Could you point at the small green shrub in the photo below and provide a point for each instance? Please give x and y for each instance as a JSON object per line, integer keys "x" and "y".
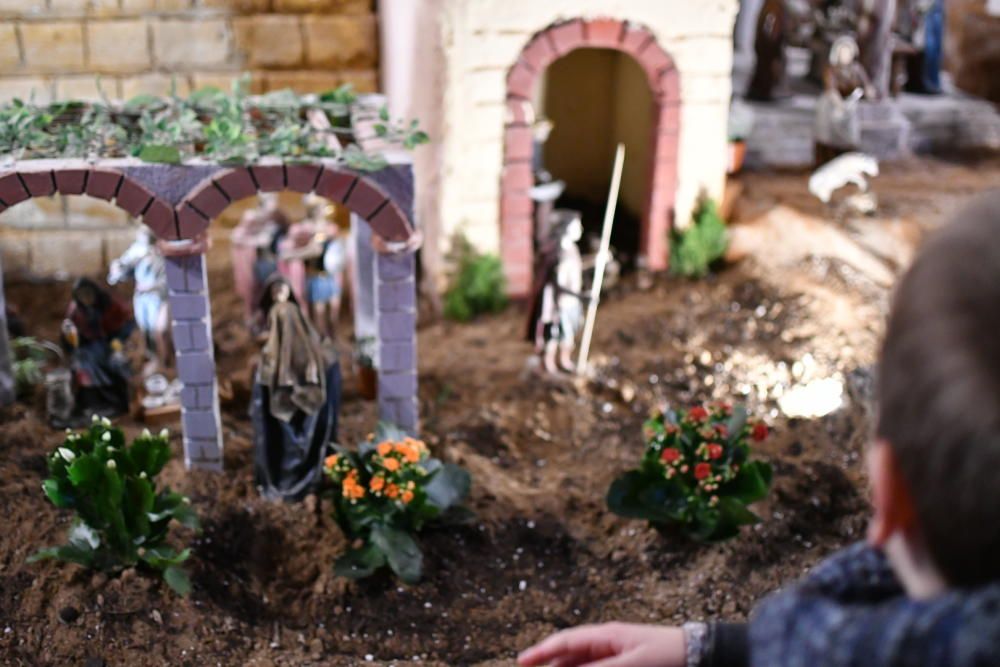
{"x": 29, "y": 356}
{"x": 384, "y": 493}
{"x": 121, "y": 519}
{"x": 695, "y": 475}
{"x": 694, "y": 249}
{"x": 477, "y": 285}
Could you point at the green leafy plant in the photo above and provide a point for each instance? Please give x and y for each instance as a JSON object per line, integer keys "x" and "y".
{"x": 384, "y": 493}
{"x": 122, "y": 520}
{"x": 696, "y": 476}
{"x": 694, "y": 249}
{"x": 227, "y": 127}
{"x": 29, "y": 358}
{"x": 477, "y": 284}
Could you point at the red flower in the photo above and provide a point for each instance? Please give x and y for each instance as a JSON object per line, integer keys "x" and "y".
{"x": 702, "y": 470}
{"x": 670, "y": 455}
{"x": 714, "y": 451}
{"x": 697, "y": 414}
{"x": 721, "y": 430}
{"x": 759, "y": 431}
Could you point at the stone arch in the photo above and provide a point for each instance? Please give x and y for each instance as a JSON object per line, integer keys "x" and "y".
{"x": 44, "y": 178}
{"x": 516, "y": 223}
{"x": 360, "y": 194}
{"x": 377, "y": 200}
{"x": 178, "y": 202}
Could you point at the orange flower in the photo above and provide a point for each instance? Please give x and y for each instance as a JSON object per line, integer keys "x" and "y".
{"x": 408, "y": 497}
{"x": 384, "y": 448}
{"x": 331, "y": 461}
{"x": 377, "y": 483}
{"x": 391, "y": 491}
{"x": 392, "y": 465}
{"x": 408, "y": 452}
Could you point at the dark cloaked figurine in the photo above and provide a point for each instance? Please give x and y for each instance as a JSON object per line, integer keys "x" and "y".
{"x": 296, "y": 398}
{"x": 768, "y": 80}
{"x": 94, "y": 331}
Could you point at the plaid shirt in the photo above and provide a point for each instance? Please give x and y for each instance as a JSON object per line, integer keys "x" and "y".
{"x": 852, "y": 612}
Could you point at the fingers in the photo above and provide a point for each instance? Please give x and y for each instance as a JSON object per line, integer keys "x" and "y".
{"x": 571, "y": 647}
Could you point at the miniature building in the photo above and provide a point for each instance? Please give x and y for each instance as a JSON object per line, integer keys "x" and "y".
{"x": 652, "y": 73}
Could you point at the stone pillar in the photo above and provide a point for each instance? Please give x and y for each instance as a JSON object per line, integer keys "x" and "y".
{"x": 6, "y": 368}
{"x": 363, "y": 279}
{"x": 396, "y": 303}
{"x": 191, "y": 318}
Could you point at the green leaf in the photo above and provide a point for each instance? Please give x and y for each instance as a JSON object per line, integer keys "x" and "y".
{"x": 383, "y": 113}
{"x": 636, "y": 495}
{"x": 160, "y": 154}
{"x": 449, "y": 485}
{"x": 163, "y": 556}
{"x": 86, "y": 472}
{"x": 56, "y": 493}
{"x": 138, "y": 504}
{"x": 149, "y": 454}
{"x": 177, "y": 578}
{"x": 401, "y": 552}
{"x": 359, "y": 563}
{"x": 750, "y": 484}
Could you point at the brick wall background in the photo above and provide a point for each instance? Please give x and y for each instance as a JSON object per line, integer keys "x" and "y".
{"x": 56, "y": 49}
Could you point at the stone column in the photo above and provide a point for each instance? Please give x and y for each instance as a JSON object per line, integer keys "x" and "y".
{"x": 6, "y": 368}
{"x": 191, "y": 318}
{"x": 396, "y": 303}
{"x": 363, "y": 279}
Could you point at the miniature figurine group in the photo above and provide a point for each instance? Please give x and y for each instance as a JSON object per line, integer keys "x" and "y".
{"x": 311, "y": 254}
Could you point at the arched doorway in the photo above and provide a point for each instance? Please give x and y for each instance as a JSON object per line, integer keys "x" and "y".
{"x": 516, "y": 207}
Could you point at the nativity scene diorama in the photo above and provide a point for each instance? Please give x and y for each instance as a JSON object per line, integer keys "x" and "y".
{"x": 646, "y": 247}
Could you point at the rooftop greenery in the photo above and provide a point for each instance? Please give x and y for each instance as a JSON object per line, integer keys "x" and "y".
{"x": 228, "y": 128}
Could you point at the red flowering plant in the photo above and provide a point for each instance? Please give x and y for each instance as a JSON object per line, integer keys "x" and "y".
{"x": 696, "y": 475}
{"x": 383, "y": 494}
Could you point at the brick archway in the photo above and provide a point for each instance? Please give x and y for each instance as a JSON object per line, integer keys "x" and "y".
{"x": 178, "y": 202}
{"x": 516, "y": 208}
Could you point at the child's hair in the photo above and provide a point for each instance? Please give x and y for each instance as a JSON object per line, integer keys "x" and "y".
{"x": 939, "y": 393}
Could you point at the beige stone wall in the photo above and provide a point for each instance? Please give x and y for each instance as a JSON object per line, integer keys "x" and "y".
{"x": 469, "y": 46}
{"x": 57, "y": 49}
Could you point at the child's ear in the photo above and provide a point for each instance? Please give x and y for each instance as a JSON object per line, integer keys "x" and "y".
{"x": 892, "y": 503}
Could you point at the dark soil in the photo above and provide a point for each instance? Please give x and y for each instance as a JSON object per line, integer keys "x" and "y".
{"x": 542, "y": 553}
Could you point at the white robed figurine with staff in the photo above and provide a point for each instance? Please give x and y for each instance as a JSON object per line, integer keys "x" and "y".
{"x": 557, "y": 312}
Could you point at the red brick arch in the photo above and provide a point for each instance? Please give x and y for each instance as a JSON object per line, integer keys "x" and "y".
{"x": 361, "y": 195}
{"x": 39, "y": 179}
{"x": 192, "y": 215}
{"x": 516, "y": 224}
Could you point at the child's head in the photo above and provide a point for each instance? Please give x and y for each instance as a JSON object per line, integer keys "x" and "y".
{"x": 936, "y": 462}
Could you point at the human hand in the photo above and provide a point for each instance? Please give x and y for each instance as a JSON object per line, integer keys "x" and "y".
{"x": 610, "y": 645}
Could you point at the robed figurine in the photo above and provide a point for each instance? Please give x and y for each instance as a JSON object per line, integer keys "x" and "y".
{"x": 94, "y": 332}
{"x": 296, "y": 398}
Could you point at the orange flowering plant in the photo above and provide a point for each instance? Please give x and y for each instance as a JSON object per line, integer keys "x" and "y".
{"x": 383, "y": 495}
{"x": 696, "y": 475}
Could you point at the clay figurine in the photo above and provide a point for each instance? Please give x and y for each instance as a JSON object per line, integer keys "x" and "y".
{"x": 321, "y": 251}
{"x": 94, "y": 332}
{"x": 768, "y": 82}
{"x": 838, "y": 126}
{"x": 295, "y": 401}
{"x": 143, "y": 263}
{"x": 922, "y": 23}
{"x": 254, "y": 250}
{"x": 557, "y": 312}
{"x": 875, "y": 20}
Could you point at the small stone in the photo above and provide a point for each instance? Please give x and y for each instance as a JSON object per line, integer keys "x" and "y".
{"x": 156, "y": 616}
{"x": 69, "y": 614}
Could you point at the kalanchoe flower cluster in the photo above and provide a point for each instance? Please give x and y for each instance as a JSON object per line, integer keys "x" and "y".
{"x": 383, "y": 494}
{"x": 696, "y": 474}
